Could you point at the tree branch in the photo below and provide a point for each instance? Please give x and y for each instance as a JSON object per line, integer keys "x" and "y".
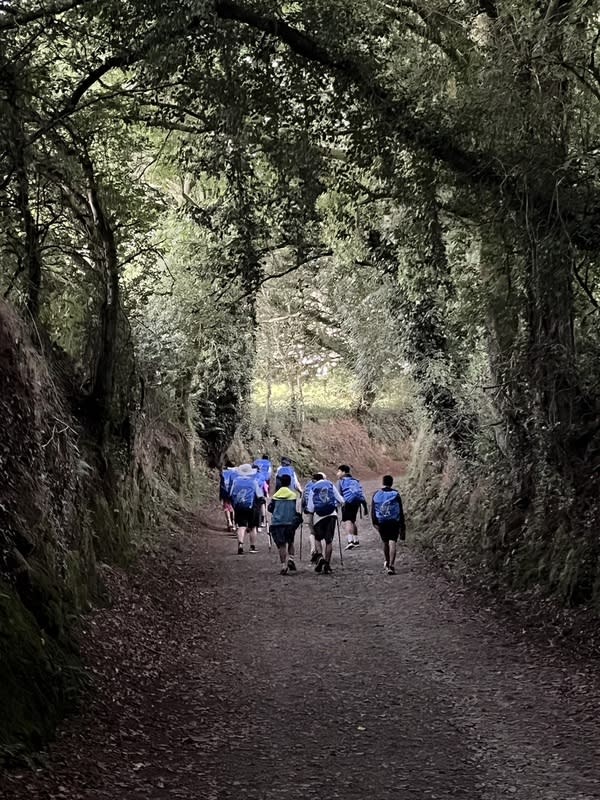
{"x": 586, "y": 289}
{"x": 16, "y": 18}
{"x": 400, "y": 112}
{"x": 426, "y": 31}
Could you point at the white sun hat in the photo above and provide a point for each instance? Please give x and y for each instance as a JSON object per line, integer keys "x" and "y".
{"x": 246, "y": 469}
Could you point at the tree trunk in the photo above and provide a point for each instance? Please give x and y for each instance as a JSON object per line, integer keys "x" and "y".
{"x": 105, "y": 251}
{"x": 368, "y": 395}
{"x": 426, "y": 276}
{"x": 18, "y": 154}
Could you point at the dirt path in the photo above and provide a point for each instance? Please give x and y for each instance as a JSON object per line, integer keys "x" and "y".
{"x": 216, "y": 678}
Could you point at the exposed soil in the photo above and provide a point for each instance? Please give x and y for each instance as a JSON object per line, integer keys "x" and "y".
{"x": 216, "y": 678}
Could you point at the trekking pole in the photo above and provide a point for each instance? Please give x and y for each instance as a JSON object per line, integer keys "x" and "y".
{"x": 337, "y": 519}
{"x": 301, "y": 532}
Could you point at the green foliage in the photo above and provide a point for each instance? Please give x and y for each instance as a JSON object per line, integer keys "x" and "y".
{"x": 195, "y": 197}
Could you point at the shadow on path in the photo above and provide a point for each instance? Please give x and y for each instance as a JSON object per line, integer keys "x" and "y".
{"x": 217, "y": 678}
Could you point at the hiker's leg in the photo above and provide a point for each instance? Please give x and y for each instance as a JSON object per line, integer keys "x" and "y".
{"x": 349, "y": 513}
{"x": 331, "y": 524}
{"x": 348, "y": 530}
{"x": 392, "y": 553}
{"x": 253, "y": 536}
{"x": 228, "y": 510}
{"x": 241, "y": 533}
{"x": 291, "y": 549}
{"x": 282, "y": 553}
{"x": 386, "y": 551}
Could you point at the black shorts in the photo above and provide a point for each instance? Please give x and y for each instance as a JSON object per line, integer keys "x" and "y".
{"x": 350, "y": 511}
{"x": 390, "y": 530}
{"x": 282, "y": 534}
{"x": 246, "y": 517}
{"x": 325, "y": 529}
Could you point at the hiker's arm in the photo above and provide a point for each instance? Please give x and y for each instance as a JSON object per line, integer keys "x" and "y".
{"x": 258, "y": 491}
{"x": 338, "y": 496}
{"x": 373, "y": 517}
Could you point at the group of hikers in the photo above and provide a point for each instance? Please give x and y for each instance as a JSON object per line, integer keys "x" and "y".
{"x": 245, "y": 492}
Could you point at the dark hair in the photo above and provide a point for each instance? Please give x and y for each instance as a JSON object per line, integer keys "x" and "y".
{"x": 286, "y": 461}
{"x": 345, "y": 468}
{"x": 228, "y": 463}
{"x": 318, "y": 476}
{"x": 388, "y": 480}
{"x": 266, "y": 455}
{"x": 285, "y": 480}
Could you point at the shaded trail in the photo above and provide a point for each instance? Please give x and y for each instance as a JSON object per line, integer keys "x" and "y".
{"x": 217, "y": 678}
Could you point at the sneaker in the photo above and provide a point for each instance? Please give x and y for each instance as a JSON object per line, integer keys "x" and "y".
{"x": 240, "y": 549}
{"x": 356, "y": 543}
{"x": 292, "y": 565}
{"x": 349, "y": 546}
{"x": 283, "y": 570}
{"x": 314, "y": 557}
{"x": 391, "y": 571}
{"x": 320, "y": 564}
{"x": 327, "y": 568}
{"x": 385, "y": 566}
{"x": 253, "y": 548}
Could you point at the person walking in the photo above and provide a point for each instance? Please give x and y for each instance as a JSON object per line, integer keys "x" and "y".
{"x": 228, "y": 473}
{"x": 387, "y": 516}
{"x": 286, "y": 469}
{"x": 285, "y": 519}
{"x": 247, "y": 497}
{"x": 265, "y": 471}
{"x": 354, "y": 497}
{"x": 323, "y": 503}
{"x": 309, "y": 516}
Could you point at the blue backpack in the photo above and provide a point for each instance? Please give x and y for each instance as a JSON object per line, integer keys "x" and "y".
{"x": 243, "y": 492}
{"x": 352, "y": 490}
{"x": 227, "y": 477}
{"x": 306, "y": 494}
{"x": 323, "y": 496}
{"x": 386, "y": 505}
{"x": 263, "y": 465}
{"x": 283, "y": 471}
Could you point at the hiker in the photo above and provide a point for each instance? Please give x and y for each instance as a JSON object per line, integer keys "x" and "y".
{"x": 247, "y": 497}
{"x": 354, "y": 497}
{"x": 228, "y": 473}
{"x": 387, "y": 516}
{"x": 265, "y": 471}
{"x": 284, "y": 521}
{"x": 287, "y": 469}
{"x": 309, "y": 515}
{"x": 323, "y": 503}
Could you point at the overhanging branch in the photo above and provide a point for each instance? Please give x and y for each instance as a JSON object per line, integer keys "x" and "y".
{"x": 14, "y": 18}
